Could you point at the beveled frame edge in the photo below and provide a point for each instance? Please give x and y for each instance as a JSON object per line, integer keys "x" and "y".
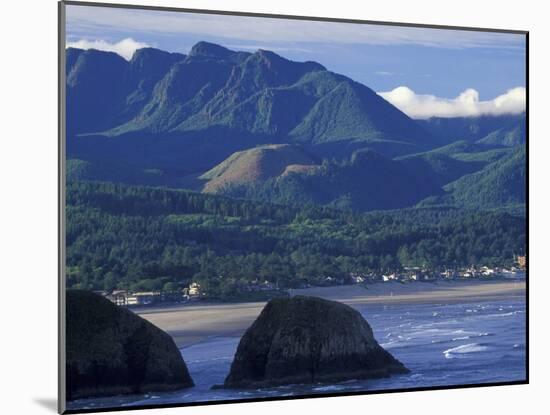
{"x": 62, "y": 198}
{"x": 61, "y": 193}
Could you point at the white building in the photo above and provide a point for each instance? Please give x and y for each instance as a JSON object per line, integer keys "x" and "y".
{"x": 390, "y": 277}
{"x": 194, "y": 289}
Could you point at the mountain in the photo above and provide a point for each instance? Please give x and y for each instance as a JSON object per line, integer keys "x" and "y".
{"x": 260, "y": 126}
{"x": 507, "y": 130}
{"x": 166, "y": 103}
{"x": 82, "y": 170}
{"x": 103, "y": 89}
{"x": 500, "y": 183}
{"x": 440, "y": 167}
{"x": 256, "y": 165}
{"x": 448, "y": 163}
{"x": 369, "y": 181}
{"x": 457, "y": 147}
{"x": 510, "y": 135}
{"x": 94, "y": 79}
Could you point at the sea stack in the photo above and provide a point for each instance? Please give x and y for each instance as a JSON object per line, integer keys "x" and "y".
{"x": 308, "y": 340}
{"x": 111, "y": 351}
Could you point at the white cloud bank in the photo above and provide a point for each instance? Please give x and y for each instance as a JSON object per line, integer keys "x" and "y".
{"x": 467, "y": 104}
{"x": 125, "y": 48}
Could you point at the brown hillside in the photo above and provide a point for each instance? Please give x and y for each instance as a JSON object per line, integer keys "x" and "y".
{"x": 256, "y": 165}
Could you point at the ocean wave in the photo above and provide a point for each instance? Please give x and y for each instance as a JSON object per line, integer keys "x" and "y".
{"x": 436, "y": 323}
{"x": 464, "y": 349}
{"x": 466, "y": 336}
{"x": 519, "y": 346}
{"x": 511, "y": 313}
{"x": 497, "y": 315}
{"x": 470, "y": 336}
{"x": 437, "y": 333}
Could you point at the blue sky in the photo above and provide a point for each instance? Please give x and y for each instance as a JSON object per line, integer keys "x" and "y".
{"x": 435, "y": 65}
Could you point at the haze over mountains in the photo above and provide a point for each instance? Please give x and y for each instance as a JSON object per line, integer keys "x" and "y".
{"x": 259, "y": 126}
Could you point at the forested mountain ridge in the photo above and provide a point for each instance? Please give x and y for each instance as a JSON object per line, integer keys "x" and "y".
{"x": 103, "y": 89}
{"x": 500, "y": 183}
{"x": 232, "y": 100}
{"x": 262, "y": 127}
{"x": 214, "y": 86}
{"x": 369, "y": 181}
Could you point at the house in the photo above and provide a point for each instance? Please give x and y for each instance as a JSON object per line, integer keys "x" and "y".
{"x": 522, "y": 261}
{"x": 488, "y": 272}
{"x": 356, "y": 278}
{"x": 143, "y": 298}
{"x": 194, "y": 290}
{"x": 449, "y": 274}
{"x": 389, "y": 277}
{"x": 119, "y": 297}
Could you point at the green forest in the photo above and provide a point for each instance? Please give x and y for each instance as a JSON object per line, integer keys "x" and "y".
{"x": 146, "y": 238}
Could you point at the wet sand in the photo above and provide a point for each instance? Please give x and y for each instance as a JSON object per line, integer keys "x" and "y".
{"x": 192, "y": 323}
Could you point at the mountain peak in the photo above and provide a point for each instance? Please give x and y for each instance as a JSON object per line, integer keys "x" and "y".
{"x": 268, "y": 54}
{"x": 271, "y": 58}
{"x": 255, "y": 165}
{"x": 146, "y": 54}
{"x": 72, "y": 55}
{"x": 211, "y": 50}
{"x": 72, "y": 49}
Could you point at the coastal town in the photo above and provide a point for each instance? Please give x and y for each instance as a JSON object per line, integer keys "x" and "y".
{"x": 194, "y": 292}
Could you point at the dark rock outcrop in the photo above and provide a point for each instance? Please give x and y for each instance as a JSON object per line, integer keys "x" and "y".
{"x": 112, "y": 351}
{"x": 308, "y": 340}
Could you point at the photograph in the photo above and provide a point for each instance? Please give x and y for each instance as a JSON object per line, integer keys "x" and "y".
{"x": 267, "y": 207}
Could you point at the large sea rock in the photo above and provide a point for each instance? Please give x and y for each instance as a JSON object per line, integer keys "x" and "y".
{"x": 308, "y": 340}
{"x": 112, "y": 351}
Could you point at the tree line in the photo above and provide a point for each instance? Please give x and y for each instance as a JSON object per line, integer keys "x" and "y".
{"x": 144, "y": 238}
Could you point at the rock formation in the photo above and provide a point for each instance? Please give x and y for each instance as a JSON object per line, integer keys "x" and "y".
{"x": 111, "y": 351}
{"x": 308, "y": 340}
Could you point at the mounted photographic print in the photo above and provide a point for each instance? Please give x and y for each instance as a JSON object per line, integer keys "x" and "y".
{"x": 259, "y": 207}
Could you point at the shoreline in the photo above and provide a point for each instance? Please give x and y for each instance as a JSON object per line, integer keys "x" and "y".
{"x": 192, "y": 323}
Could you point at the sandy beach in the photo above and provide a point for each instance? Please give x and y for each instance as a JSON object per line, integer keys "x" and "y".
{"x": 192, "y": 323}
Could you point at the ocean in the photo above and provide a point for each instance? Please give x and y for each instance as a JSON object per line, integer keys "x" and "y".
{"x": 442, "y": 345}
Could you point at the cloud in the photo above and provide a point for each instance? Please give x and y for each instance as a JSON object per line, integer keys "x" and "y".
{"x": 87, "y": 20}
{"x": 467, "y": 104}
{"x": 125, "y": 48}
